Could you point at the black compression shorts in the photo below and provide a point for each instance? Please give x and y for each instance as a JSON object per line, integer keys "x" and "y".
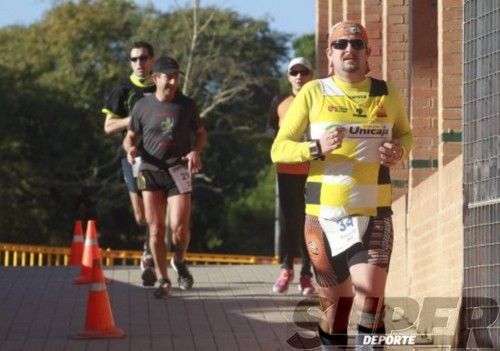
{"x": 331, "y": 271}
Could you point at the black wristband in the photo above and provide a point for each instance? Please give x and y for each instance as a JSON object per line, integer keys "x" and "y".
{"x": 315, "y": 148}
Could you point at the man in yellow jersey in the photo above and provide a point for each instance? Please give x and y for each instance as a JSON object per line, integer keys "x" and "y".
{"x": 291, "y": 180}
{"x": 117, "y": 108}
{"x": 358, "y": 129}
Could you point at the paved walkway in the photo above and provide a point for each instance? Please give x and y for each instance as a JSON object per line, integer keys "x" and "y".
{"x": 230, "y": 308}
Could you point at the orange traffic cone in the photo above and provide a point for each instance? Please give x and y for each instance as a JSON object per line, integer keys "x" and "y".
{"x": 99, "y": 322}
{"x": 75, "y": 255}
{"x": 90, "y": 252}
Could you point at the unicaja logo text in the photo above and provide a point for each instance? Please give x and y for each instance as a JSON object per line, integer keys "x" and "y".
{"x": 355, "y": 130}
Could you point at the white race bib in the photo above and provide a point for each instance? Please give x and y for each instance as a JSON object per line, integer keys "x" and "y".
{"x": 135, "y": 166}
{"x": 344, "y": 233}
{"x": 182, "y": 178}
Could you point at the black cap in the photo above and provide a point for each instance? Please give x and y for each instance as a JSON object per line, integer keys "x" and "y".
{"x": 166, "y": 64}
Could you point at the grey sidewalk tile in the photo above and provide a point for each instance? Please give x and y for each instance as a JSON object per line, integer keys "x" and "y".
{"x": 13, "y": 346}
{"x": 98, "y": 345}
{"x": 161, "y": 343}
{"x": 119, "y": 344}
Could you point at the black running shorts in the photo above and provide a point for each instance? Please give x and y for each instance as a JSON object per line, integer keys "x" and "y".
{"x": 157, "y": 180}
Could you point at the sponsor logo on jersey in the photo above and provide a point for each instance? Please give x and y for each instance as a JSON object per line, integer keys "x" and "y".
{"x": 381, "y": 113}
{"x": 359, "y": 113}
{"x": 358, "y": 97}
{"x": 375, "y": 131}
{"x": 333, "y": 108}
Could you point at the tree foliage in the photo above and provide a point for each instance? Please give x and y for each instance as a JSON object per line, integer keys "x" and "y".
{"x": 58, "y": 164}
{"x": 305, "y": 46}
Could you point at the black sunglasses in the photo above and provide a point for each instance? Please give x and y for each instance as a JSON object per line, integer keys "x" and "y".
{"x": 141, "y": 58}
{"x": 295, "y": 72}
{"x": 341, "y": 44}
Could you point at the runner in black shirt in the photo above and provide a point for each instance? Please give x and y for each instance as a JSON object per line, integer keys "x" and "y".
{"x": 117, "y": 108}
{"x": 165, "y": 121}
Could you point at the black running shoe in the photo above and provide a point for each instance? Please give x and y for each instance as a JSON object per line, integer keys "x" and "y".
{"x": 148, "y": 277}
{"x": 163, "y": 290}
{"x": 184, "y": 278}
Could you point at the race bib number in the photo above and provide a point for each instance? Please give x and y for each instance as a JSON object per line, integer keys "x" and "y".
{"x": 135, "y": 166}
{"x": 182, "y": 178}
{"x": 344, "y": 233}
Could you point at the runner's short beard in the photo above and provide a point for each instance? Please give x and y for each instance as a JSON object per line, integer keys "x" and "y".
{"x": 349, "y": 67}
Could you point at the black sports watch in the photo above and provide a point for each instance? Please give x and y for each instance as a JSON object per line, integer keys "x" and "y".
{"x": 315, "y": 148}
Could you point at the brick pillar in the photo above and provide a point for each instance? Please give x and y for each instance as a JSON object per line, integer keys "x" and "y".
{"x": 352, "y": 10}
{"x": 424, "y": 122}
{"x": 322, "y": 23}
{"x": 371, "y": 18}
{"x": 394, "y": 67}
{"x": 328, "y": 12}
{"x": 449, "y": 80}
{"x": 335, "y": 8}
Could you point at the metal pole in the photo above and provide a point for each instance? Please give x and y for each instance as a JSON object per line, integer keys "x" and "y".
{"x": 277, "y": 227}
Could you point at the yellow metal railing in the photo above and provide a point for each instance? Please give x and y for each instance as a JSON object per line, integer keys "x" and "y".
{"x": 14, "y": 255}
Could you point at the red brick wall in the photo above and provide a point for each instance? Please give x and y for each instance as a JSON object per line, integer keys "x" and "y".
{"x": 424, "y": 87}
{"x": 395, "y": 20}
{"x": 449, "y": 78}
{"x": 328, "y": 12}
{"x": 427, "y": 256}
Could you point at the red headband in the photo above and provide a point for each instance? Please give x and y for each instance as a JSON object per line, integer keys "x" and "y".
{"x": 344, "y": 28}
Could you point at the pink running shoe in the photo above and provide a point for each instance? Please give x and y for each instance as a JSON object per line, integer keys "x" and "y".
{"x": 306, "y": 286}
{"x": 281, "y": 285}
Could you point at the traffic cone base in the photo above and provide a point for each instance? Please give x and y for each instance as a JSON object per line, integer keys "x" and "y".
{"x": 111, "y": 333}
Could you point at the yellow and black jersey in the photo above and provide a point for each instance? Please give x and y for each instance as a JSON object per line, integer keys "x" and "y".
{"x": 122, "y": 98}
{"x": 349, "y": 180}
